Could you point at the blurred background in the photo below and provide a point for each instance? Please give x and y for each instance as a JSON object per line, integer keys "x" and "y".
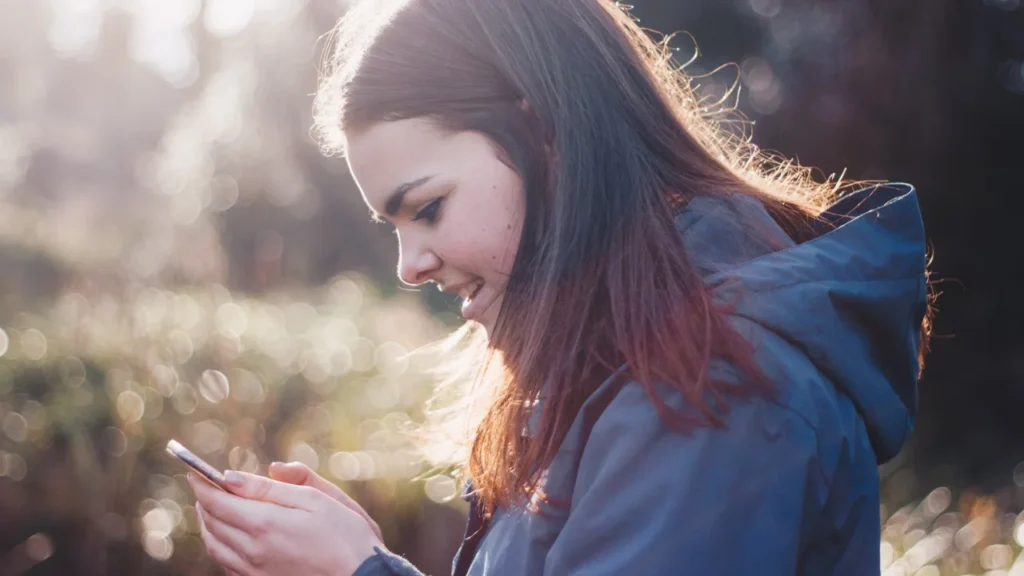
{"x": 178, "y": 260}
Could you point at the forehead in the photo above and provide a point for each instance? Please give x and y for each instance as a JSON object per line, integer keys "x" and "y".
{"x": 389, "y": 153}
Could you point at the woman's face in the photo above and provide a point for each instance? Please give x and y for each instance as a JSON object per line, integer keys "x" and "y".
{"x": 457, "y": 208}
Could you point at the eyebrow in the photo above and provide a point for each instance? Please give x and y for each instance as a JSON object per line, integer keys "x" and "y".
{"x": 394, "y": 201}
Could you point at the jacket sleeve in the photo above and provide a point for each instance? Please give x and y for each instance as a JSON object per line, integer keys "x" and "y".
{"x": 386, "y": 563}
{"x": 650, "y": 500}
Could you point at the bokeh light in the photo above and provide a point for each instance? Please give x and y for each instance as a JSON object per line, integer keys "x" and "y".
{"x": 213, "y": 386}
{"x": 440, "y": 488}
{"x": 38, "y": 547}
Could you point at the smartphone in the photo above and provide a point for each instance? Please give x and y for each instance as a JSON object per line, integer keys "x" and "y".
{"x": 205, "y": 471}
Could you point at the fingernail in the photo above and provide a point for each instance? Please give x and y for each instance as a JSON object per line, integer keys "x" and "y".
{"x": 233, "y": 478}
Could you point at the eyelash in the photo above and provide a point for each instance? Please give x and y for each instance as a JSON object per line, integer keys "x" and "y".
{"x": 430, "y": 211}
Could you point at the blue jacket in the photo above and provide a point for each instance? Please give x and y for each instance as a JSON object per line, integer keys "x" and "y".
{"x": 791, "y": 485}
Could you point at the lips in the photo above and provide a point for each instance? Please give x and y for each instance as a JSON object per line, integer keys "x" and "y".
{"x": 470, "y": 290}
{"x": 472, "y": 305}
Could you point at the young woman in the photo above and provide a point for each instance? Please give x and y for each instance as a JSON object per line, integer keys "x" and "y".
{"x": 696, "y": 356}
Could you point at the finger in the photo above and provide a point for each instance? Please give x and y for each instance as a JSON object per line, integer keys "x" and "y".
{"x": 265, "y": 489}
{"x": 216, "y": 549}
{"x": 299, "y": 473}
{"x": 249, "y": 516}
{"x": 245, "y": 546}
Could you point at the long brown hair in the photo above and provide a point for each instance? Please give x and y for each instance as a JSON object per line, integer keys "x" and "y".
{"x": 611, "y": 141}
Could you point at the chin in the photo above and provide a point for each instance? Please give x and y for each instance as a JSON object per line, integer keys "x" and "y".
{"x": 486, "y": 324}
{"x": 487, "y": 328}
{"x": 488, "y": 319}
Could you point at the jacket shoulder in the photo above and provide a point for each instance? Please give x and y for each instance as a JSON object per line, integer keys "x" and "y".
{"x": 719, "y": 232}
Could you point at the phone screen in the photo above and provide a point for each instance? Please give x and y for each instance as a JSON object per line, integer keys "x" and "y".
{"x": 211, "y": 474}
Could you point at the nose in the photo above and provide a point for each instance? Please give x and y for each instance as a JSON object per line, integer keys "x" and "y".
{"x": 416, "y": 262}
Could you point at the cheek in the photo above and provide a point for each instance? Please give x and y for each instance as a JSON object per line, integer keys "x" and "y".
{"x": 489, "y": 223}
{"x": 507, "y": 223}
{"x": 480, "y": 253}
{"x": 498, "y": 239}
{"x": 504, "y": 255}
{"x": 481, "y": 247}
{"x": 511, "y": 232}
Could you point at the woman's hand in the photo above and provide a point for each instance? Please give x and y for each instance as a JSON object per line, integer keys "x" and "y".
{"x": 271, "y": 528}
{"x": 302, "y": 475}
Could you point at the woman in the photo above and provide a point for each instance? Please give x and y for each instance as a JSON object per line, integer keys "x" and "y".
{"x": 694, "y": 357}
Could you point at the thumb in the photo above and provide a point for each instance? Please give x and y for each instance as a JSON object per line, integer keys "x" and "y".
{"x": 291, "y": 472}
{"x": 266, "y": 489}
{"x": 300, "y": 474}
{"x": 303, "y": 475}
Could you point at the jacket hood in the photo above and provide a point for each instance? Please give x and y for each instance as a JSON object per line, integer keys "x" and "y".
{"x": 852, "y": 299}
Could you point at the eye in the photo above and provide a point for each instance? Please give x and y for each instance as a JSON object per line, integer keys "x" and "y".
{"x": 430, "y": 211}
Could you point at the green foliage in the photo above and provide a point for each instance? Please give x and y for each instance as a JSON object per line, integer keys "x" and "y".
{"x": 91, "y": 390}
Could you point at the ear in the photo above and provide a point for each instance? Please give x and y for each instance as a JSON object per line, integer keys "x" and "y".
{"x": 549, "y": 150}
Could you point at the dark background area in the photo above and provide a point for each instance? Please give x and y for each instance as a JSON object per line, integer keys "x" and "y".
{"x": 928, "y": 93}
